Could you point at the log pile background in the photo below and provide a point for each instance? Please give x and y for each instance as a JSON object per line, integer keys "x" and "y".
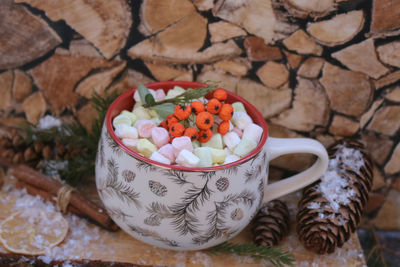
{"x": 324, "y": 69}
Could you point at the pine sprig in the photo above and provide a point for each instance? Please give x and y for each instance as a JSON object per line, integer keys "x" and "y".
{"x": 77, "y": 138}
{"x": 276, "y": 256}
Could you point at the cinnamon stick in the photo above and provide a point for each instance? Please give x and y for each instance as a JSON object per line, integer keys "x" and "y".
{"x": 80, "y": 204}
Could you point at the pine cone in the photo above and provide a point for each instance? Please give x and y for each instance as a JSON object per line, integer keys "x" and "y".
{"x": 271, "y": 224}
{"x": 331, "y": 209}
{"x": 13, "y": 149}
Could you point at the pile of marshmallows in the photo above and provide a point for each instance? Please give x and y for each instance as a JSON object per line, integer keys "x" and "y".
{"x": 140, "y": 131}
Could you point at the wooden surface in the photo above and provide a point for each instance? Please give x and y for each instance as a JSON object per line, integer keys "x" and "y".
{"x": 120, "y": 247}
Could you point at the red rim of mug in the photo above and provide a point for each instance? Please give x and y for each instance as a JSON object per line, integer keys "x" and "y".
{"x": 126, "y": 101}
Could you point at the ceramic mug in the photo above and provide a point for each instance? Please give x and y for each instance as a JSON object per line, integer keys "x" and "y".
{"x": 184, "y": 208}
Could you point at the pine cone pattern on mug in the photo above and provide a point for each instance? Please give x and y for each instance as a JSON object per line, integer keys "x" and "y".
{"x": 330, "y": 209}
{"x": 271, "y": 224}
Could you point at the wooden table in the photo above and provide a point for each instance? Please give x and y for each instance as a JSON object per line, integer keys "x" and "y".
{"x": 120, "y": 247}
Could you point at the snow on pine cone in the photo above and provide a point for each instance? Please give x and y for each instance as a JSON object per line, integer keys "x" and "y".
{"x": 271, "y": 224}
{"x": 330, "y": 209}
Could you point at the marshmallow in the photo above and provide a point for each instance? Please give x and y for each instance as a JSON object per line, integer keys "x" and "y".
{"x": 156, "y": 156}
{"x": 160, "y": 95}
{"x": 238, "y": 106}
{"x": 126, "y": 131}
{"x": 121, "y": 119}
{"x": 168, "y": 152}
{"x": 245, "y": 146}
{"x": 214, "y": 142}
{"x": 180, "y": 143}
{"x": 187, "y": 159}
{"x": 160, "y": 136}
{"x": 253, "y": 132}
{"x": 218, "y": 155}
{"x": 204, "y": 154}
{"x": 231, "y": 139}
{"x": 132, "y": 116}
{"x": 145, "y": 147}
{"x": 196, "y": 144}
{"x": 227, "y": 151}
{"x": 231, "y": 158}
{"x": 177, "y": 90}
{"x": 136, "y": 95}
{"x": 130, "y": 143}
{"x": 238, "y": 132}
{"x": 145, "y": 127}
{"x": 156, "y": 120}
{"x": 141, "y": 113}
{"x": 241, "y": 119}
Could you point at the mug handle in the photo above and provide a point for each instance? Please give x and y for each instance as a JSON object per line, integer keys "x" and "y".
{"x": 276, "y": 147}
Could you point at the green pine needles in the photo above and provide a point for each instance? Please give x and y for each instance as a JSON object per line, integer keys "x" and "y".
{"x": 76, "y": 138}
{"x": 276, "y": 256}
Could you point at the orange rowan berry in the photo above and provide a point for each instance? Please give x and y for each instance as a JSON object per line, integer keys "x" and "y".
{"x": 171, "y": 119}
{"x": 214, "y": 106}
{"x": 204, "y": 120}
{"x": 226, "y": 112}
{"x": 220, "y": 94}
{"x": 182, "y": 112}
{"x": 223, "y": 127}
{"x": 197, "y": 107}
{"x": 164, "y": 124}
{"x": 192, "y": 133}
{"x": 205, "y": 135}
{"x": 176, "y": 129}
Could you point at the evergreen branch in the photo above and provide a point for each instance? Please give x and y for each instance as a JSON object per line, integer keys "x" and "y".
{"x": 276, "y": 256}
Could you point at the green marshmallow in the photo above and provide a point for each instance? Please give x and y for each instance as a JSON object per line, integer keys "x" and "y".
{"x": 238, "y": 106}
{"x": 145, "y": 147}
{"x": 131, "y": 115}
{"x": 156, "y": 120}
{"x": 204, "y": 154}
{"x": 177, "y": 90}
{"x": 196, "y": 144}
{"x": 141, "y": 113}
{"x": 121, "y": 119}
{"x": 245, "y": 146}
{"x": 218, "y": 155}
{"x": 214, "y": 142}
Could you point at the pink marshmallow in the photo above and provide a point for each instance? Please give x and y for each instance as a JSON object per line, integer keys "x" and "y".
{"x": 160, "y": 136}
{"x": 238, "y": 132}
{"x": 145, "y": 127}
{"x": 168, "y": 152}
{"x": 159, "y": 95}
{"x": 180, "y": 143}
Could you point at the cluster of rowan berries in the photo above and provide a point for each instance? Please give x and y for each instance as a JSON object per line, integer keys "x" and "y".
{"x": 204, "y": 119}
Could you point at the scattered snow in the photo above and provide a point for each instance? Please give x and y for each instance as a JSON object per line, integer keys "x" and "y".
{"x": 48, "y": 122}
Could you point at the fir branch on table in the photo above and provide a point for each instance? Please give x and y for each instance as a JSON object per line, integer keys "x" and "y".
{"x": 276, "y": 256}
{"x": 76, "y": 138}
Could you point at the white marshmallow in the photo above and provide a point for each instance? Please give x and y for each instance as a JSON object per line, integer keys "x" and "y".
{"x": 214, "y": 142}
{"x": 187, "y": 159}
{"x": 231, "y": 158}
{"x": 126, "y": 131}
{"x": 145, "y": 127}
{"x": 160, "y": 95}
{"x": 245, "y": 146}
{"x": 156, "y": 156}
{"x": 180, "y": 143}
{"x": 160, "y": 136}
{"x": 238, "y": 131}
{"x": 241, "y": 119}
{"x": 130, "y": 143}
{"x": 122, "y": 119}
{"x": 168, "y": 152}
{"x": 231, "y": 139}
{"x": 253, "y": 132}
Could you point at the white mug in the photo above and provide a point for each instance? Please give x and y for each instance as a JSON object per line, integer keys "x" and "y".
{"x": 184, "y": 208}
